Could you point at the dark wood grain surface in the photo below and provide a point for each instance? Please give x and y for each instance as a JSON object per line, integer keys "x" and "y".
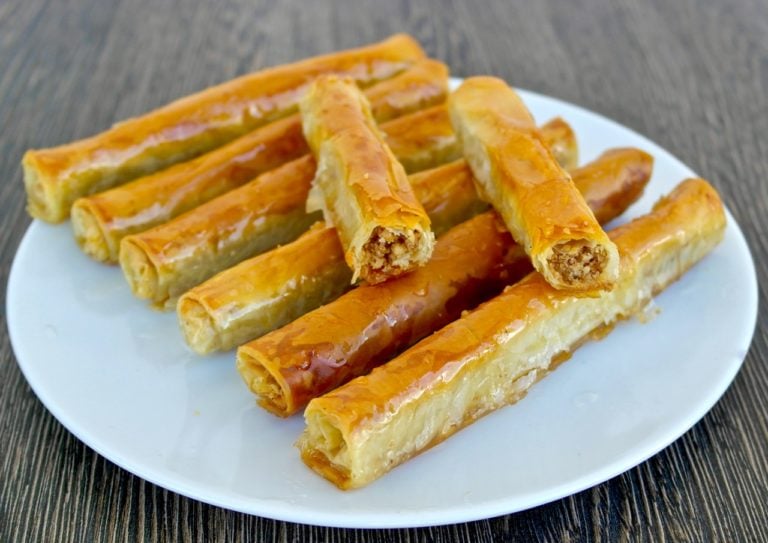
{"x": 691, "y": 75}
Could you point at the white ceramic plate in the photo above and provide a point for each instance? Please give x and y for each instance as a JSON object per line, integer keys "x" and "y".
{"x": 118, "y": 375}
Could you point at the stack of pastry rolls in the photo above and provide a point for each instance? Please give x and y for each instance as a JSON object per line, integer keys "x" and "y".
{"x": 394, "y": 260}
{"x": 583, "y": 279}
{"x": 188, "y": 127}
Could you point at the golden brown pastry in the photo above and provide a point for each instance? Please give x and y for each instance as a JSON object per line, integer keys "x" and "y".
{"x": 367, "y": 326}
{"x": 422, "y": 85}
{"x": 519, "y": 176}
{"x": 100, "y": 221}
{"x": 491, "y": 356}
{"x": 163, "y": 262}
{"x": 188, "y": 127}
{"x": 219, "y": 314}
{"x": 360, "y": 186}
{"x": 417, "y": 139}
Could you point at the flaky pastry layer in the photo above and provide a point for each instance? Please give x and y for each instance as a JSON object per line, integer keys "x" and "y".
{"x": 492, "y": 355}
{"x": 195, "y": 246}
{"x": 288, "y": 281}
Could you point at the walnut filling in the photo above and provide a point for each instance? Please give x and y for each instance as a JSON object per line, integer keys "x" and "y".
{"x": 391, "y": 252}
{"x": 577, "y": 261}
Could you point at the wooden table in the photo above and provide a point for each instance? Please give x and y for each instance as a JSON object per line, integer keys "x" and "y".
{"x": 691, "y": 75}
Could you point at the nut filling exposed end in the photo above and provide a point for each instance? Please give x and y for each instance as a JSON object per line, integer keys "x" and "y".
{"x": 576, "y": 262}
{"x": 391, "y": 252}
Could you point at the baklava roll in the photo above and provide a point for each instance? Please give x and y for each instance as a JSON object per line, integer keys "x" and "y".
{"x": 56, "y": 177}
{"x": 218, "y": 314}
{"x": 163, "y": 262}
{"x": 360, "y": 186}
{"x": 519, "y": 176}
{"x": 363, "y": 328}
{"x": 491, "y": 356}
{"x": 101, "y": 220}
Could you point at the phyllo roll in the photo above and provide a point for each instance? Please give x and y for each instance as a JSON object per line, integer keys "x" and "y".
{"x": 518, "y": 174}
{"x": 163, "y": 262}
{"x": 56, "y": 177}
{"x": 366, "y": 326}
{"x": 491, "y": 356}
{"x": 360, "y": 186}
{"x": 228, "y": 304}
{"x": 101, "y": 220}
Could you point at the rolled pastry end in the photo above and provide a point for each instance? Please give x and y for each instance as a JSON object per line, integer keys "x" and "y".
{"x": 265, "y": 382}
{"x": 324, "y": 449}
{"x": 89, "y": 234}
{"x": 390, "y": 252}
{"x": 139, "y": 270}
{"x": 198, "y": 327}
{"x": 580, "y": 264}
{"x": 41, "y": 203}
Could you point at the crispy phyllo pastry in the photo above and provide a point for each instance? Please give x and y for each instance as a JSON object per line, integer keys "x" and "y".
{"x": 360, "y": 186}
{"x": 518, "y": 174}
{"x": 372, "y": 323}
{"x": 100, "y": 221}
{"x": 220, "y": 313}
{"x": 491, "y": 356}
{"x": 193, "y": 125}
{"x": 422, "y": 85}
